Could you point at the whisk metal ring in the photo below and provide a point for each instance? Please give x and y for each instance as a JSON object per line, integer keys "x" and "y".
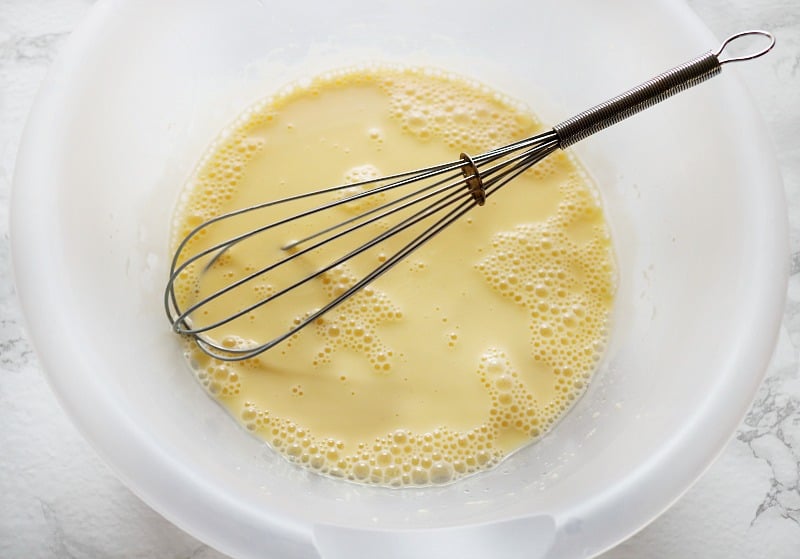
{"x": 473, "y": 178}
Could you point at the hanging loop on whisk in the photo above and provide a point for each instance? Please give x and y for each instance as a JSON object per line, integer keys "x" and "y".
{"x": 750, "y": 33}
{"x": 653, "y": 91}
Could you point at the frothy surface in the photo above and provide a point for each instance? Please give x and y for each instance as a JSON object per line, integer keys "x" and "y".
{"x": 471, "y": 348}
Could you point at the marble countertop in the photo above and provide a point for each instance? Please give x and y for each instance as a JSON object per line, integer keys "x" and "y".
{"x": 58, "y": 500}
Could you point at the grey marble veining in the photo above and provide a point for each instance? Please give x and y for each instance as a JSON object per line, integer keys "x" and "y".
{"x": 771, "y": 429}
{"x": 60, "y": 501}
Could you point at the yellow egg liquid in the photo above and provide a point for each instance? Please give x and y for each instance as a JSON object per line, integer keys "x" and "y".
{"x": 469, "y": 349}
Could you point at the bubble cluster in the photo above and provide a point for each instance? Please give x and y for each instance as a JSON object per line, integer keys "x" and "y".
{"x": 397, "y": 459}
{"x": 215, "y": 182}
{"x": 553, "y": 164}
{"x": 564, "y": 283}
{"x": 405, "y": 458}
{"x": 515, "y": 409}
{"x": 354, "y": 324}
{"x": 467, "y": 115}
{"x": 186, "y": 286}
{"x": 220, "y": 379}
{"x": 362, "y": 173}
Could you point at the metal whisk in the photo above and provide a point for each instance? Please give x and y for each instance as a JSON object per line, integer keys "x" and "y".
{"x": 421, "y": 203}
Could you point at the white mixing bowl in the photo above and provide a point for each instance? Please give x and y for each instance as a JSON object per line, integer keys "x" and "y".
{"x": 690, "y": 187}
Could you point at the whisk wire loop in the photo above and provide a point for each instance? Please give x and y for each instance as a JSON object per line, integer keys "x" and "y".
{"x": 421, "y": 195}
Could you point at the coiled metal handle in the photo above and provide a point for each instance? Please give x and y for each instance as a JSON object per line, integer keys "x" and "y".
{"x": 653, "y": 91}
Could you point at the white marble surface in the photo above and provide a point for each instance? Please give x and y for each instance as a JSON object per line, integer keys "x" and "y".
{"x": 59, "y": 501}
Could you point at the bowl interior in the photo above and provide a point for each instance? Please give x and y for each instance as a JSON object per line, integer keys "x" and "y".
{"x": 698, "y": 248}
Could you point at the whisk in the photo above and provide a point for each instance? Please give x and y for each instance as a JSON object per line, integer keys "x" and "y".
{"x": 423, "y": 201}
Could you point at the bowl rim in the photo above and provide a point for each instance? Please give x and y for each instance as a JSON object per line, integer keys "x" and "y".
{"x": 169, "y": 492}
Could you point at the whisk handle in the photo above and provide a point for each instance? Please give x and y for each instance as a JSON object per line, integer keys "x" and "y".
{"x": 651, "y": 92}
